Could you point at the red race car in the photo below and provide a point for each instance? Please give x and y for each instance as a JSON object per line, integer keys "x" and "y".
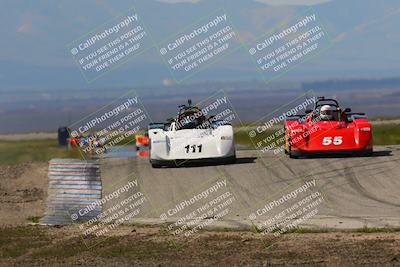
{"x": 328, "y": 129}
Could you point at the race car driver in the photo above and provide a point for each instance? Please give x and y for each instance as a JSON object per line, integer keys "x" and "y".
{"x": 326, "y": 113}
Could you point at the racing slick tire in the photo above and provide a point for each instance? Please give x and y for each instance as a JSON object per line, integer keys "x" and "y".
{"x": 286, "y": 147}
{"x": 156, "y": 164}
{"x": 292, "y": 155}
{"x": 367, "y": 153}
{"x": 230, "y": 160}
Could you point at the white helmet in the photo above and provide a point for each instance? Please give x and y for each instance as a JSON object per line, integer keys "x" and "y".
{"x": 326, "y": 113}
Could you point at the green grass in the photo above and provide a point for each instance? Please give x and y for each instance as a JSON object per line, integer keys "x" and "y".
{"x": 384, "y": 134}
{"x": 113, "y": 246}
{"x": 384, "y": 118}
{"x": 15, "y": 152}
{"x": 365, "y": 229}
{"x": 301, "y": 230}
{"x": 15, "y": 242}
{"x": 243, "y": 138}
{"x": 34, "y": 219}
{"x": 68, "y": 248}
{"x": 39, "y": 243}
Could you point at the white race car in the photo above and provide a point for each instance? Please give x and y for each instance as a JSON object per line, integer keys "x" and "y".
{"x": 190, "y": 136}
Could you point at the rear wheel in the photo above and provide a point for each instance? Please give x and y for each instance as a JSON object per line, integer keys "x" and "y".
{"x": 155, "y": 165}
{"x": 290, "y": 152}
{"x": 368, "y": 153}
{"x": 232, "y": 160}
{"x": 286, "y": 145}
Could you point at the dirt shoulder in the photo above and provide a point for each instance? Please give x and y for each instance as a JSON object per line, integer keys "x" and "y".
{"x": 23, "y": 190}
{"x": 152, "y": 246}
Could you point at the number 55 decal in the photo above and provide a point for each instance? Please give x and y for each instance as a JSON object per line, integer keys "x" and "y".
{"x": 337, "y": 140}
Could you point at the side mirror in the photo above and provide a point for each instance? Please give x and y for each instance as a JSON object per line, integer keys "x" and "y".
{"x": 308, "y": 111}
{"x": 347, "y": 110}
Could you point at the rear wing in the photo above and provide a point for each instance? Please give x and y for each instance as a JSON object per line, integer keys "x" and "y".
{"x": 296, "y": 117}
{"x": 321, "y": 100}
{"x": 220, "y": 123}
{"x": 156, "y": 125}
{"x": 353, "y": 116}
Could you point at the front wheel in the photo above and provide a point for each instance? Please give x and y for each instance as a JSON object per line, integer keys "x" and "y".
{"x": 368, "y": 153}
{"x": 290, "y": 152}
{"x": 286, "y": 149}
{"x": 232, "y": 160}
{"x": 155, "y": 165}
{"x": 229, "y": 160}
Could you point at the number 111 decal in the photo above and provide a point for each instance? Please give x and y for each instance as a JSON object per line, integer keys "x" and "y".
{"x": 193, "y": 148}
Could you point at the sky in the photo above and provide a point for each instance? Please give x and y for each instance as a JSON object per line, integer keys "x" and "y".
{"x": 37, "y": 35}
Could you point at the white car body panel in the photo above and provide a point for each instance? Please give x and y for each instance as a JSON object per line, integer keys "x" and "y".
{"x": 187, "y": 144}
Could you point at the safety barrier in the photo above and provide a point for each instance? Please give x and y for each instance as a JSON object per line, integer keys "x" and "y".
{"x": 73, "y": 185}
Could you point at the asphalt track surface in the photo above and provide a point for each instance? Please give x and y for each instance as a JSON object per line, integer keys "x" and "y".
{"x": 355, "y": 191}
